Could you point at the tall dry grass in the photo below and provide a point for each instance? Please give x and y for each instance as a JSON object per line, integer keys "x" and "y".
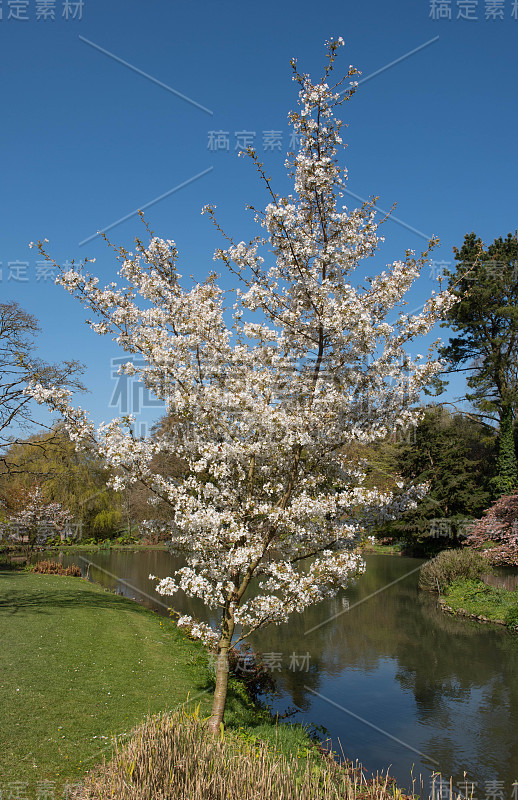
{"x": 175, "y": 757}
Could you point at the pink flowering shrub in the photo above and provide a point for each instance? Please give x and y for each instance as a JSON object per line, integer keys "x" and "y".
{"x": 496, "y": 535}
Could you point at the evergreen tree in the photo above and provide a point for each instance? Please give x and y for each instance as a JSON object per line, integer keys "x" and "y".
{"x": 450, "y": 453}
{"x": 485, "y": 323}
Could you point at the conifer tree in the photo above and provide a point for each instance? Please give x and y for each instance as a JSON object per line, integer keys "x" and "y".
{"x": 485, "y": 344}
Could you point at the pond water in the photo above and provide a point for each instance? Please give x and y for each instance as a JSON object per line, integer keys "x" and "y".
{"x": 394, "y": 680}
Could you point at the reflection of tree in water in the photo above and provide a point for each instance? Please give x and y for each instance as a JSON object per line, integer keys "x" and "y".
{"x": 354, "y": 630}
{"x": 294, "y": 683}
{"x": 443, "y": 656}
{"x": 461, "y": 674}
{"x": 128, "y": 573}
{"x": 463, "y": 677}
{"x": 429, "y": 665}
{"x": 289, "y": 641}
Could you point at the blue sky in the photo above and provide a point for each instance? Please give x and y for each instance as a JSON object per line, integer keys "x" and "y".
{"x": 86, "y": 139}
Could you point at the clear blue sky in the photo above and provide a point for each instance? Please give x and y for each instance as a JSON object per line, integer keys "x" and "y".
{"x": 87, "y": 139}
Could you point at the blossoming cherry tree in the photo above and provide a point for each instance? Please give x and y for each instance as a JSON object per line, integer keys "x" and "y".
{"x": 267, "y": 395}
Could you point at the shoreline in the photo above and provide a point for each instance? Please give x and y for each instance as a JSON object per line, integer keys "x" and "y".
{"x": 476, "y": 600}
{"x": 461, "y": 612}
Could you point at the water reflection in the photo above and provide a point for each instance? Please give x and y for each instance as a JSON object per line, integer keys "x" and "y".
{"x": 503, "y": 578}
{"x": 394, "y": 680}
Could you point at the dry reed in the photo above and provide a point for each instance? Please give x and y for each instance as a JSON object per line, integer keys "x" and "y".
{"x": 55, "y": 568}
{"x": 175, "y": 757}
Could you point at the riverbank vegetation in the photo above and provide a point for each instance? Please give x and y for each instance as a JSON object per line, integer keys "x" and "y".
{"x": 451, "y": 565}
{"x": 174, "y": 756}
{"x": 474, "y": 598}
{"x": 47, "y": 567}
{"x": 457, "y": 576}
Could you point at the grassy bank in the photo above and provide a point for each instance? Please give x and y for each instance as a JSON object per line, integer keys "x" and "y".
{"x": 458, "y": 575}
{"x": 80, "y": 665}
{"x": 476, "y": 599}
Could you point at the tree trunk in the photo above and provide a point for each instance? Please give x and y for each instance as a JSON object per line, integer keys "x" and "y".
{"x": 220, "y": 692}
{"x": 222, "y": 667}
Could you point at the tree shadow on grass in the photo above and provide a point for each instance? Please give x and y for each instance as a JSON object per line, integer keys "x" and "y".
{"x": 16, "y": 598}
{"x": 23, "y": 598}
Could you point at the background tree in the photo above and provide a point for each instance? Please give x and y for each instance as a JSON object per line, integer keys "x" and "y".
{"x": 265, "y": 404}
{"x": 37, "y": 521}
{"x": 450, "y": 453}
{"x": 485, "y": 321}
{"x": 19, "y": 366}
{"x": 74, "y": 479}
{"x": 165, "y": 462}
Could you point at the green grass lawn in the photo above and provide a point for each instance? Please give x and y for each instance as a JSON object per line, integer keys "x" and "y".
{"x": 79, "y": 665}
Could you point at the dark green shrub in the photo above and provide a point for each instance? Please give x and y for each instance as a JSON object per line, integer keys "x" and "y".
{"x": 451, "y": 565}
{"x": 127, "y": 538}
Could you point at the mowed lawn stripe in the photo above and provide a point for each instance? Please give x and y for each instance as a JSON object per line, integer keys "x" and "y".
{"x": 79, "y": 665}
